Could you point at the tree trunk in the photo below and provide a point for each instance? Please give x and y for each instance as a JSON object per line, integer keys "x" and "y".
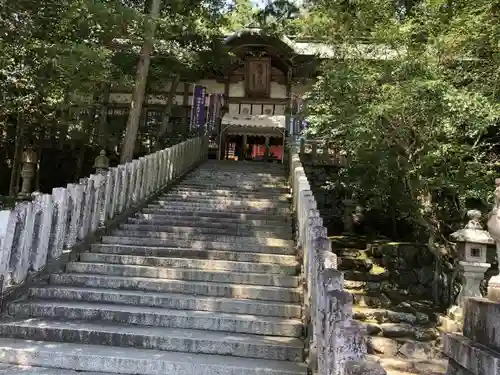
{"x": 103, "y": 115}
{"x": 165, "y": 120}
{"x": 16, "y": 163}
{"x": 140, "y": 84}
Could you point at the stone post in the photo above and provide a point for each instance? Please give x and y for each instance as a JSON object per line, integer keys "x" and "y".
{"x": 326, "y": 152}
{"x": 60, "y": 226}
{"x": 472, "y": 242}
{"x": 302, "y": 146}
{"x": 28, "y": 171}
{"x": 314, "y": 151}
{"x": 349, "y": 207}
{"x": 44, "y": 207}
{"x": 101, "y": 163}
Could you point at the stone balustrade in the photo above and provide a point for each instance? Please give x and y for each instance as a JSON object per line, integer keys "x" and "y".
{"x": 336, "y": 340}
{"x": 34, "y": 233}
{"x": 317, "y": 152}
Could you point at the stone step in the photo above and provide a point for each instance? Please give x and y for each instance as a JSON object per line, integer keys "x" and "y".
{"x": 263, "y": 188}
{"x": 236, "y": 256}
{"x": 348, "y": 241}
{"x": 355, "y": 275}
{"x": 145, "y": 225}
{"x": 158, "y": 317}
{"x": 269, "y": 222}
{"x": 194, "y": 244}
{"x": 133, "y": 361}
{"x": 223, "y": 193}
{"x": 236, "y": 240}
{"x": 215, "y": 215}
{"x": 201, "y": 264}
{"x": 232, "y": 197}
{"x": 167, "y": 301}
{"x": 168, "y": 339}
{"x": 390, "y": 316}
{"x": 196, "y": 288}
{"x": 371, "y": 299}
{"x": 6, "y": 369}
{"x": 233, "y": 202}
{"x": 218, "y": 208}
{"x": 354, "y": 263}
{"x": 183, "y": 274}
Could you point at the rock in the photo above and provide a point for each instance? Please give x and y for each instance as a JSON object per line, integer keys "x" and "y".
{"x": 418, "y": 290}
{"x": 373, "y": 358}
{"x": 381, "y": 345}
{"x": 371, "y": 285}
{"x": 397, "y": 330}
{"x": 364, "y": 368}
{"x": 422, "y": 318}
{"x": 418, "y": 350}
{"x": 398, "y": 317}
{"x": 373, "y": 329}
{"x": 352, "y": 284}
{"x": 426, "y": 334}
{"x": 425, "y": 275}
{"x": 378, "y": 315}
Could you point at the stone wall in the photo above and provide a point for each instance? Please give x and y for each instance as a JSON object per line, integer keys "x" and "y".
{"x": 35, "y": 233}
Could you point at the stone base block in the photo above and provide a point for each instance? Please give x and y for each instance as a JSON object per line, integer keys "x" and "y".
{"x": 474, "y": 358}
{"x": 482, "y": 322}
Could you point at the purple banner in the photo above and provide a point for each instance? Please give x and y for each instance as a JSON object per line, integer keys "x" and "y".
{"x": 214, "y": 106}
{"x": 198, "y": 108}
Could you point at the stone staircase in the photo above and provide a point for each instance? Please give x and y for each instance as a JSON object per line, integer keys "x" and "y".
{"x": 402, "y": 332}
{"x": 204, "y": 280}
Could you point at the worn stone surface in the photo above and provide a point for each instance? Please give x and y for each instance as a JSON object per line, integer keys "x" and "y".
{"x": 364, "y": 368}
{"x": 229, "y": 292}
{"x": 382, "y": 345}
{"x": 398, "y": 366}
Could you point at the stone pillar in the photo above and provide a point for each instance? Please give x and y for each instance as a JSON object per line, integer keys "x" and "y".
{"x": 326, "y": 152}
{"x": 30, "y": 160}
{"x": 314, "y": 151}
{"x": 101, "y": 163}
{"x": 349, "y": 207}
{"x": 472, "y": 243}
{"x": 268, "y": 145}
{"x": 302, "y": 146}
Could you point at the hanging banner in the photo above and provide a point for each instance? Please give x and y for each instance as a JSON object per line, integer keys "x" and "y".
{"x": 198, "y": 109}
{"x": 214, "y": 106}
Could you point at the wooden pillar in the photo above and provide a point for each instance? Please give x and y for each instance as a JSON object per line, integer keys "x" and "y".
{"x": 244, "y": 151}
{"x": 267, "y": 144}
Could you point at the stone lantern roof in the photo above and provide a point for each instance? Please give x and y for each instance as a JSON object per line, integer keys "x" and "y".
{"x": 473, "y": 232}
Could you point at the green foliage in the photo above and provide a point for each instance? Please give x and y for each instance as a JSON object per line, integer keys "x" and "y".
{"x": 422, "y": 126}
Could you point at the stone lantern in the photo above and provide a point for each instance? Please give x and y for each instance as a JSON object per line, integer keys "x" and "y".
{"x": 30, "y": 160}
{"x": 472, "y": 243}
{"x": 101, "y": 163}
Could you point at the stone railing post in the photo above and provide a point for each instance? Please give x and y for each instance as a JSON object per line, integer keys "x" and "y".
{"x": 44, "y": 208}
{"x": 302, "y": 146}
{"x": 36, "y": 232}
{"x": 326, "y": 152}
{"x": 336, "y": 341}
{"x": 314, "y": 151}
{"x": 62, "y": 210}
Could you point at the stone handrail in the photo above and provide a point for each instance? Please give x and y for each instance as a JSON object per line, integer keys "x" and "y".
{"x": 336, "y": 341}
{"x": 34, "y": 233}
{"x": 320, "y": 152}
